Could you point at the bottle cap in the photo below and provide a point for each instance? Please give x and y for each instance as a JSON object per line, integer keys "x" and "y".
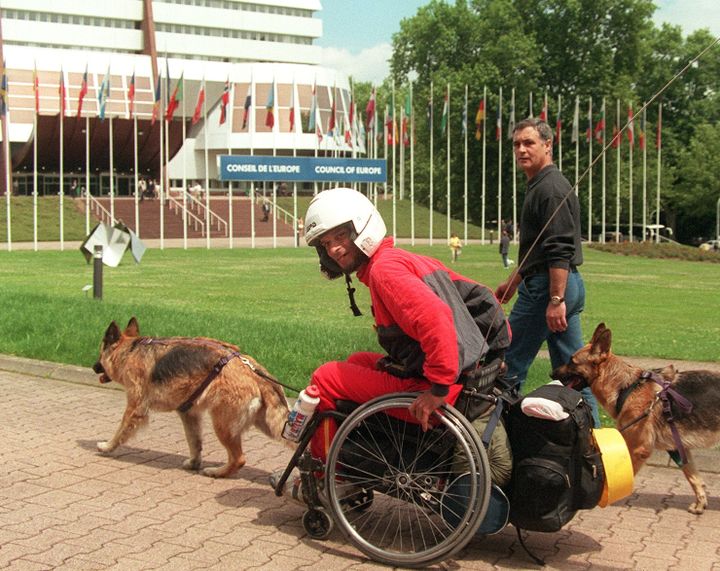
{"x": 312, "y": 391}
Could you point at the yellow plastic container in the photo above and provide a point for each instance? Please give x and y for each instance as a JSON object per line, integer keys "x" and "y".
{"x": 619, "y": 477}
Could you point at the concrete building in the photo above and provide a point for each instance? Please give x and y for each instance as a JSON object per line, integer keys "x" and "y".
{"x": 253, "y": 48}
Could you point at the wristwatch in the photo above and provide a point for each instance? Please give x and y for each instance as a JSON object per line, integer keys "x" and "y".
{"x": 557, "y": 300}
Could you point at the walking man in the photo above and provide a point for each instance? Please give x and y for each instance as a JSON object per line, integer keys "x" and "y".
{"x": 551, "y": 293}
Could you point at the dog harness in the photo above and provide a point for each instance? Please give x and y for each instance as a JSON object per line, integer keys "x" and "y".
{"x": 668, "y": 395}
{"x": 215, "y": 371}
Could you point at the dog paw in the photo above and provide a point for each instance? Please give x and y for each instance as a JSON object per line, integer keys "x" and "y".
{"x": 104, "y": 447}
{"x": 191, "y": 464}
{"x": 697, "y": 507}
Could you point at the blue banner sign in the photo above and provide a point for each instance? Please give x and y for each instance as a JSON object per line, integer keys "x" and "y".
{"x": 301, "y": 169}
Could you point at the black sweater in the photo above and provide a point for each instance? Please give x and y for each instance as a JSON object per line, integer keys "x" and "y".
{"x": 560, "y": 244}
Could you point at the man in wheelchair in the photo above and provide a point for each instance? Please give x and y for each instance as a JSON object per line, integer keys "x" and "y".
{"x": 437, "y": 326}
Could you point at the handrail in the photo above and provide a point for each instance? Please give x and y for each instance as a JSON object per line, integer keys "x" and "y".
{"x": 200, "y": 209}
{"x": 174, "y": 202}
{"x": 102, "y": 212}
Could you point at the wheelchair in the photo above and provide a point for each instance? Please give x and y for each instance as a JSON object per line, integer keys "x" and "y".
{"x": 403, "y": 497}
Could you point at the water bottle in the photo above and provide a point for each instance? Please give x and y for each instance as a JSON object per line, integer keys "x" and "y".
{"x": 301, "y": 413}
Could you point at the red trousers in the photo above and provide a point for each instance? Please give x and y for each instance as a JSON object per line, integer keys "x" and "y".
{"x": 358, "y": 380}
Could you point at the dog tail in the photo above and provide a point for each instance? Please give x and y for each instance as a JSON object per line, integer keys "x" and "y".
{"x": 275, "y": 409}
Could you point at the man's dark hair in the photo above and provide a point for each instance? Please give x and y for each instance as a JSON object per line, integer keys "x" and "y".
{"x": 542, "y": 128}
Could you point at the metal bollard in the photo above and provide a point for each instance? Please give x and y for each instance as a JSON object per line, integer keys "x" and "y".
{"x": 98, "y": 272}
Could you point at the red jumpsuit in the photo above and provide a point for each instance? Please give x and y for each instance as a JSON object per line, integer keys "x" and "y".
{"x": 433, "y": 323}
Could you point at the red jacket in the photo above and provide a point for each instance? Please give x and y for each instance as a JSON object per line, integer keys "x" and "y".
{"x": 433, "y": 322}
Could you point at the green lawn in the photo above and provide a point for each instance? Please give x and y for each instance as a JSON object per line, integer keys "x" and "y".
{"x": 275, "y": 305}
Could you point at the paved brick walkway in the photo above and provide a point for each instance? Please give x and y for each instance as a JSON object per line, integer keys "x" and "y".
{"x": 65, "y": 507}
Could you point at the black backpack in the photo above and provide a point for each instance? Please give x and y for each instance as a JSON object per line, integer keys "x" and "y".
{"x": 557, "y": 468}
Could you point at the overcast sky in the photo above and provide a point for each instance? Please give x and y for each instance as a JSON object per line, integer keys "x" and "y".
{"x": 357, "y": 35}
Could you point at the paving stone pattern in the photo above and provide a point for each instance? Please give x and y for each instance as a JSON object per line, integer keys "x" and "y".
{"x": 65, "y": 507}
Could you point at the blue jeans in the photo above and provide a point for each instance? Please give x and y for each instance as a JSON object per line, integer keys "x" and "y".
{"x": 530, "y": 330}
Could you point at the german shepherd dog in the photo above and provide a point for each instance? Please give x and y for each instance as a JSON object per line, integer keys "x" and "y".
{"x": 640, "y": 419}
{"x": 168, "y": 374}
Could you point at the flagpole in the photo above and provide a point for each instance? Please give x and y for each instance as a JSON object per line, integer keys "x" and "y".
{"x": 644, "y": 179}
{"x": 294, "y": 98}
{"x": 511, "y": 128}
{"x": 531, "y": 114}
{"x": 631, "y": 144}
{"x": 658, "y": 142}
{"x": 412, "y": 168}
{"x": 499, "y": 138}
{"x": 8, "y": 162}
{"x": 559, "y": 136}
{"x": 484, "y": 157}
{"x": 207, "y": 178}
{"x": 447, "y": 140}
{"x": 465, "y": 171}
{"x": 604, "y": 174}
{"x": 576, "y": 134}
{"x": 251, "y": 129}
{"x": 158, "y": 186}
{"x": 112, "y": 173}
{"x": 35, "y": 179}
{"x": 616, "y": 133}
{"x": 591, "y": 136}
{"x": 229, "y": 119}
{"x": 276, "y": 125}
{"x": 87, "y": 175}
{"x": 403, "y": 132}
{"x": 431, "y": 201}
{"x": 394, "y": 166}
{"x": 184, "y": 176}
{"x": 135, "y": 162}
{"x": 62, "y": 171}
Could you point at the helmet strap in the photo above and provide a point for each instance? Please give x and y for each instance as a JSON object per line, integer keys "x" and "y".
{"x": 351, "y": 294}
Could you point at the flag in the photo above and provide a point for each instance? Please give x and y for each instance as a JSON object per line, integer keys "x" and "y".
{"x": 312, "y": 119}
{"x": 576, "y": 122}
{"x": 498, "y": 123}
{"x": 641, "y": 132}
{"x": 270, "y": 107}
{"x": 4, "y": 93}
{"x": 390, "y": 125}
{"x": 464, "y": 122}
{"x": 36, "y": 90}
{"x": 224, "y": 100}
{"x": 131, "y": 95}
{"x": 600, "y": 129}
{"x": 511, "y": 119}
{"x": 558, "y": 127}
{"x": 156, "y": 102}
{"x": 61, "y": 92}
{"x": 199, "y": 105}
{"x": 370, "y": 111}
{"x": 247, "y": 105}
{"x": 429, "y": 113}
{"x": 292, "y": 108}
{"x": 83, "y": 91}
{"x": 544, "y": 110}
{"x": 479, "y": 120}
{"x": 103, "y": 95}
{"x": 631, "y": 127}
{"x": 444, "y": 118}
{"x": 349, "y": 123}
{"x": 406, "y": 120}
{"x": 616, "y": 137}
{"x": 331, "y": 120}
{"x": 175, "y": 98}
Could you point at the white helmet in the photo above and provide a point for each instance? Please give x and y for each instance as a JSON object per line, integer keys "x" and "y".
{"x": 338, "y": 206}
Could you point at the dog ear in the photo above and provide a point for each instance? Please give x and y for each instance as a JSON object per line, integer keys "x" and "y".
{"x": 132, "y": 329}
{"x": 601, "y": 342}
{"x": 112, "y": 335}
{"x": 598, "y": 331}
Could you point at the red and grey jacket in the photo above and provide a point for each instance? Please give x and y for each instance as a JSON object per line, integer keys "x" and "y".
{"x": 433, "y": 322}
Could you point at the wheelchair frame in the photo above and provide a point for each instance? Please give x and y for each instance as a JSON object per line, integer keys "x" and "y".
{"x": 418, "y": 498}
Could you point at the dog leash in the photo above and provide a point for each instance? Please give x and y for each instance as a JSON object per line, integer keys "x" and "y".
{"x": 667, "y": 395}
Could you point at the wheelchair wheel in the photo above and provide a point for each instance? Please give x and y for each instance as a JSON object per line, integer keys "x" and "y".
{"x": 407, "y": 511}
{"x": 317, "y": 523}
